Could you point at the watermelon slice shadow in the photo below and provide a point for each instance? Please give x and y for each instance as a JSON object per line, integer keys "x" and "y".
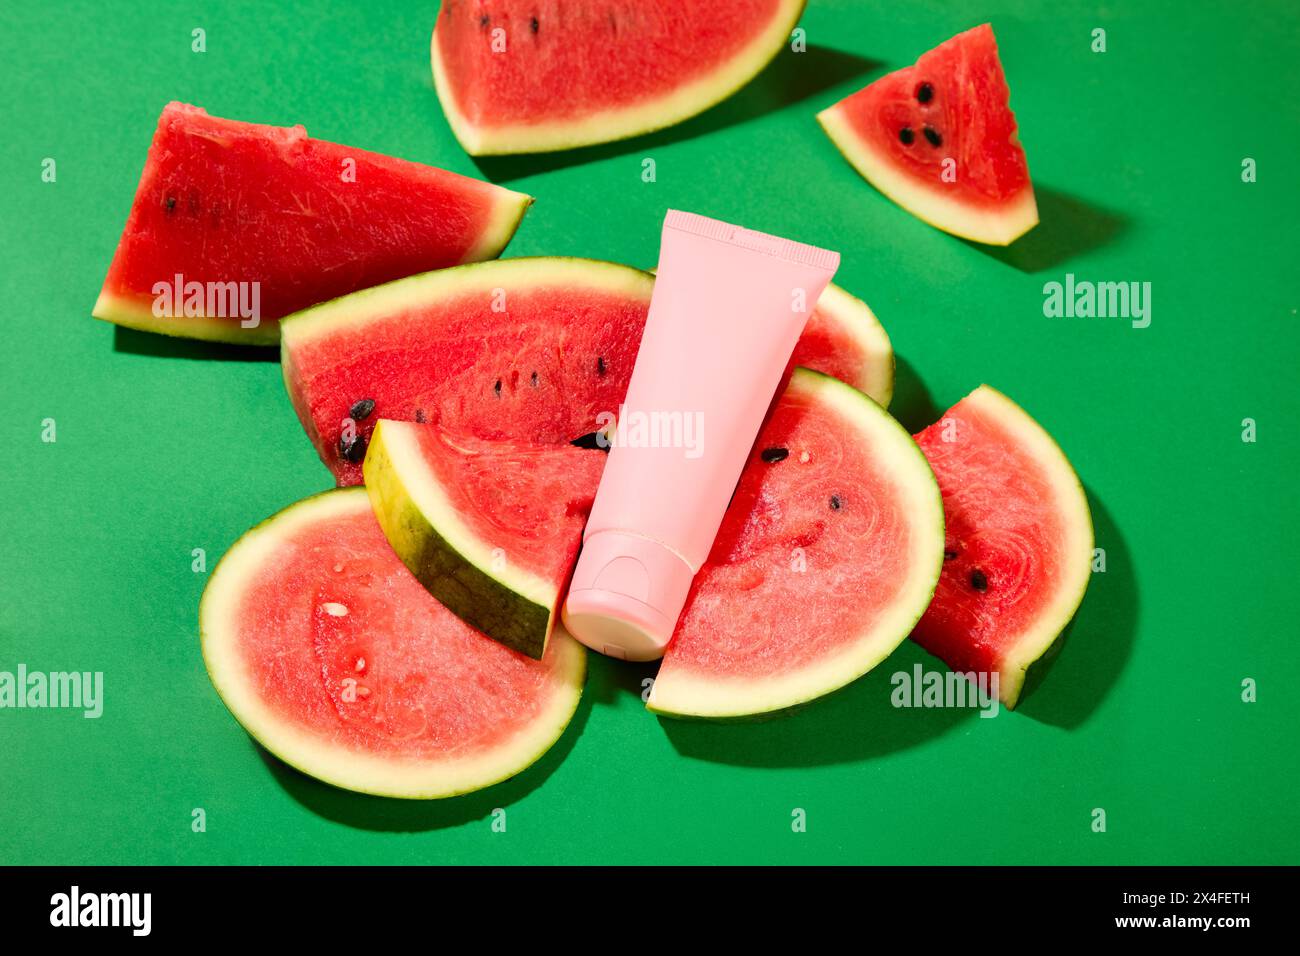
{"x": 364, "y": 811}
{"x": 135, "y": 342}
{"x": 789, "y": 79}
{"x": 854, "y": 724}
{"x": 911, "y": 403}
{"x": 1068, "y": 227}
{"x": 1087, "y": 659}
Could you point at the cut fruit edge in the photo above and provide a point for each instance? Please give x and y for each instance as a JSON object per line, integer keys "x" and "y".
{"x": 136, "y": 313}
{"x": 382, "y": 301}
{"x": 712, "y": 697}
{"x": 412, "y": 507}
{"x": 625, "y": 122}
{"x": 351, "y": 769}
{"x": 994, "y": 227}
{"x": 1072, "y": 501}
{"x": 854, "y": 316}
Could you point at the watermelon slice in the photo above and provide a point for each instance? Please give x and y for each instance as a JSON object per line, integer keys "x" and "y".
{"x": 826, "y": 557}
{"x": 337, "y": 661}
{"x": 1019, "y": 540}
{"x": 491, "y": 528}
{"x": 939, "y": 139}
{"x": 527, "y": 77}
{"x": 236, "y": 225}
{"x": 520, "y": 349}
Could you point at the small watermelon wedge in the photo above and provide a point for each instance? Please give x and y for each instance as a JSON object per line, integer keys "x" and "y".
{"x": 334, "y": 658}
{"x": 826, "y": 558}
{"x": 521, "y": 76}
{"x": 528, "y": 349}
{"x": 939, "y": 139}
{"x": 1018, "y": 552}
{"x": 236, "y": 225}
{"x": 490, "y": 528}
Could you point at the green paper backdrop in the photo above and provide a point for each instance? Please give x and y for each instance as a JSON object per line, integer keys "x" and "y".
{"x": 166, "y": 446}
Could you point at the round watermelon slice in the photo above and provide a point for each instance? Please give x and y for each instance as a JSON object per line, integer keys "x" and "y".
{"x": 235, "y": 225}
{"x": 825, "y": 560}
{"x": 939, "y": 139}
{"x": 1019, "y": 540}
{"x": 528, "y": 77}
{"x": 490, "y": 527}
{"x": 337, "y": 661}
{"x": 530, "y": 350}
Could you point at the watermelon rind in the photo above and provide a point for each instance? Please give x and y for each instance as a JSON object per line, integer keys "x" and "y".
{"x": 876, "y": 378}
{"x": 717, "y": 697}
{"x": 455, "y": 565}
{"x": 1072, "y": 502}
{"x": 316, "y": 755}
{"x": 138, "y": 314}
{"x": 994, "y": 227}
{"x": 352, "y": 312}
{"x": 621, "y": 123}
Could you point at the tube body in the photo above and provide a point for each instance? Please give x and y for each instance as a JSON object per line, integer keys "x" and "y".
{"x": 728, "y": 307}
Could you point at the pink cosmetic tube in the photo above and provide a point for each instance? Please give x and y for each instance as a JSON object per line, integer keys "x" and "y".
{"x": 728, "y": 306}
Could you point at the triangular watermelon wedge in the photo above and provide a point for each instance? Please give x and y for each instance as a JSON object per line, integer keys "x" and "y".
{"x": 236, "y": 225}
{"x": 939, "y": 139}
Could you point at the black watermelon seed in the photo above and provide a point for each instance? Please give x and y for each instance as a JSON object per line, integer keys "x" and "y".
{"x": 534, "y": 25}
{"x": 533, "y": 380}
{"x": 594, "y": 440}
{"x": 949, "y": 555}
{"x": 933, "y": 136}
{"x": 419, "y": 415}
{"x": 836, "y": 504}
{"x": 978, "y": 581}
{"x": 924, "y": 93}
{"x": 771, "y": 455}
{"x": 497, "y": 388}
{"x": 169, "y": 204}
{"x": 484, "y": 20}
{"x": 353, "y": 449}
{"x": 361, "y": 409}
{"x": 906, "y": 135}
{"x": 600, "y": 365}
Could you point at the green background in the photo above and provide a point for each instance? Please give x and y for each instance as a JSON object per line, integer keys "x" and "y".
{"x": 164, "y": 446}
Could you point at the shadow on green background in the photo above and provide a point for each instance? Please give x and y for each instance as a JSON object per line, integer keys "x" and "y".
{"x": 784, "y": 82}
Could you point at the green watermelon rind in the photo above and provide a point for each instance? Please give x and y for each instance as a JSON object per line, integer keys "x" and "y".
{"x": 137, "y": 313}
{"x": 350, "y": 769}
{"x": 613, "y": 125}
{"x": 713, "y": 698}
{"x": 1033, "y": 650}
{"x": 508, "y": 604}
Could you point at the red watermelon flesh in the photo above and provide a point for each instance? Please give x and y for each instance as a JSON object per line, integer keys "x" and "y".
{"x": 827, "y": 555}
{"x": 517, "y": 76}
{"x": 1019, "y": 540}
{"x": 490, "y": 527}
{"x": 525, "y": 349}
{"x": 940, "y": 139}
{"x": 825, "y": 559}
{"x": 330, "y": 654}
{"x": 536, "y": 498}
{"x": 222, "y": 201}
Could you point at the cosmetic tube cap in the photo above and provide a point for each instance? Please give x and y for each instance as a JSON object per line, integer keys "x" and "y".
{"x": 626, "y": 595}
